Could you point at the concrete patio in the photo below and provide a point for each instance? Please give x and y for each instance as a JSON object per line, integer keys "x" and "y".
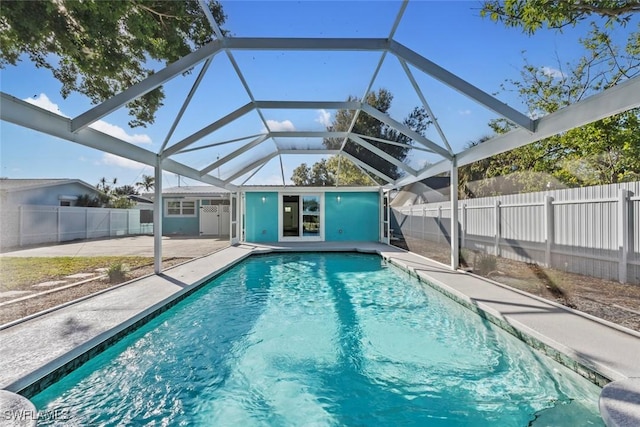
{"x": 172, "y": 246}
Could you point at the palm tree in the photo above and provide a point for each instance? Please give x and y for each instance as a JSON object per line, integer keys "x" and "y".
{"x": 146, "y": 183}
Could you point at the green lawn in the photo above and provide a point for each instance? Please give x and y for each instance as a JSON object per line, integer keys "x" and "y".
{"x": 17, "y": 273}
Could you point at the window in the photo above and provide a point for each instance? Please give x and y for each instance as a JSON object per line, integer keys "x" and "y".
{"x": 301, "y": 217}
{"x": 65, "y": 203}
{"x": 181, "y": 208}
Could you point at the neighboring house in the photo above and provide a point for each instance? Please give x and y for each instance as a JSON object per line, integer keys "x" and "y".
{"x": 35, "y": 211}
{"x": 44, "y": 192}
{"x": 200, "y": 210}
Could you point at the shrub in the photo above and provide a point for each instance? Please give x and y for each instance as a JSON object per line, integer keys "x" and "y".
{"x": 117, "y": 272}
{"x": 485, "y": 264}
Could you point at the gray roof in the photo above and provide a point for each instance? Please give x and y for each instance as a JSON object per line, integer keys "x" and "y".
{"x": 9, "y": 184}
{"x": 191, "y": 190}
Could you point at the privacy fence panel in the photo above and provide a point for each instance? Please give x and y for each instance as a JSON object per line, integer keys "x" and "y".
{"x": 30, "y": 224}
{"x": 593, "y": 231}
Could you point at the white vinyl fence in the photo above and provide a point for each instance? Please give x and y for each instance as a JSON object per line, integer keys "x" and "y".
{"x": 593, "y": 231}
{"x": 31, "y": 224}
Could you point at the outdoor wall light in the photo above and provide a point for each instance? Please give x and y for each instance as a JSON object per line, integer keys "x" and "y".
{"x": 264, "y": 200}
{"x": 338, "y": 199}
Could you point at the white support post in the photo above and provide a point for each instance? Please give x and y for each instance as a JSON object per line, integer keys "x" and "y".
{"x": 464, "y": 226}
{"x": 86, "y": 223}
{"x": 548, "y": 215}
{"x": 496, "y": 214}
{"x": 241, "y": 217}
{"x": 623, "y": 233}
{"x": 388, "y": 218}
{"x": 110, "y": 212}
{"x": 453, "y": 234}
{"x": 158, "y": 208}
{"x": 380, "y": 216}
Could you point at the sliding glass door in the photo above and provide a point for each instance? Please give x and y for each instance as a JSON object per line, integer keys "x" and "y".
{"x": 301, "y": 217}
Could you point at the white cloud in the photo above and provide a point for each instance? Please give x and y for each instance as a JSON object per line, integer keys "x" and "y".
{"x": 113, "y": 160}
{"x": 324, "y": 118}
{"x": 553, "y": 72}
{"x": 464, "y": 112}
{"x": 120, "y": 133}
{"x": 283, "y": 126}
{"x": 44, "y": 102}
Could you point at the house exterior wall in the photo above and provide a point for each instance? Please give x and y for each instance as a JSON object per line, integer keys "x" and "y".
{"x": 261, "y": 218}
{"x": 356, "y": 217}
{"x": 182, "y": 225}
{"x": 48, "y": 196}
{"x": 187, "y": 225}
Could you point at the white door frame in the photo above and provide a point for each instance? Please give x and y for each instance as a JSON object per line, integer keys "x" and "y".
{"x": 234, "y": 218}
{"x": 300, "y": 238}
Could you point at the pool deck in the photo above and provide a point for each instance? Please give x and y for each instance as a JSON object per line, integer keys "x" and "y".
{"x": 32, "y": 348}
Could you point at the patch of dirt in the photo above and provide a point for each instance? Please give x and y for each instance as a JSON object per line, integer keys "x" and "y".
{"x": 616, "y": 302}
{"x": 18, "y": 310}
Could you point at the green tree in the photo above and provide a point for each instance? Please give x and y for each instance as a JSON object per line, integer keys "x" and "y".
{"x": 532, "y": 15}
{"x": 100, "y": 48}
{"x": 114, "y": 197}
{"x": 328, "y": 172}
{"x": 371, "y": 127}
{"x": 125, "y": 190}
{"x": 318, "y": 175}
{"x": 603, "y": 152}
{"x": 348, "y": 173}
{"x": 147, "y": 183}
{"x": 85, "y": 200}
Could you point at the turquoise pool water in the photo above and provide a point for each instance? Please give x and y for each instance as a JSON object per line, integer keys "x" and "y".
{"x": 323, "y": 340}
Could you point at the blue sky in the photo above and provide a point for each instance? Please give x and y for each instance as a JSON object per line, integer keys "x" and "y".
{"x": 451, "y": 34}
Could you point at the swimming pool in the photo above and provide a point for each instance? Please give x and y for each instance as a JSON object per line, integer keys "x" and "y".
{"x": 320, "y": 339}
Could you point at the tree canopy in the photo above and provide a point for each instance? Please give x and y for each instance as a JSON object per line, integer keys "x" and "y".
{"x": 603, "y": 152}
{"x": 532, "y": 15}
{"x": 326, "y": 172}
{"x": 100, "y": 48}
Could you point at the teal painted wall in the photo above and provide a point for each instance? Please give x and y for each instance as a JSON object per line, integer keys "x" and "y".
{"x": 188, "y": 226}
{"x": 261, "y": 218}
{"x": 357, "y": 215}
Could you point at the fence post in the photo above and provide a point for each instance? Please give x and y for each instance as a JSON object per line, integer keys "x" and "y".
{"x": 496, "y": 243}
{"x": 20, "y": 224}
{"x": 424, "y": 219}
{"x": 548, "y": 215}
{"x": 410, "y": 230}
{"x": 58, "y": 224}
{"x": 109, "y": 221}
{"x": 463, "y": 221}
{"x": 623, "y": 233}
{"x": 439, "y": 227}
{"x": 86, "y": 223}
